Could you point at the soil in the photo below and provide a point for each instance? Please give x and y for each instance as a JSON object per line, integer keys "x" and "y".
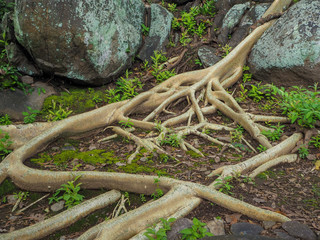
{"x": 290, "y": 189}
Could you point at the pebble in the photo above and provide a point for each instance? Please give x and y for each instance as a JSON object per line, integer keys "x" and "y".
{"x": 244, "y": 228}
{"x": 216, "y": 227}
{"x": 56, "y": 207}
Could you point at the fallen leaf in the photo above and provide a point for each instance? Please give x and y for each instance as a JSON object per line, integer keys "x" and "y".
{"x": 317, "y": 165}
{"x": 233, "y": 218}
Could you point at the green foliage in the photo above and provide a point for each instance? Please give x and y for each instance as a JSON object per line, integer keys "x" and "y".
{"x": 172, "y": 139}
{"x": 198, "y": 62}
{"x": 21, "y": 195}
{"x": 224, "y": 185}
{"x": 143, "y": 198}
{"x": 275, "y": 134}
{"x": 172, "y": 7}
{"x": 257, "y": 93}
{"x": 243, "y": 94}
{"x": 315, "y": 141}
{"x": 127, "y": 88}
{"x": 56, "y": 114}
{"x": 126, "y": 124}
{"x": 161, "y": 234}
{"x": 197, "y": 231}
{"x": 164, "y": 75}
{"x": 236, "y": 135}
{"x": 145, "y": 30}
{"x": 226, "y": 50}
{"x": 261, "y": 148}
{"x": 246, "y": 77}
{"x": 158, "y": 193}
{"x": 5, "y": 120}
{"x": 4, "y": 144}
{"x": 5, "y": 7}
{"x": 30, "y": 117}
{"x": 303, "y": 152}
{"x": 300, "y": 105}
{"x": 69, "y": 193}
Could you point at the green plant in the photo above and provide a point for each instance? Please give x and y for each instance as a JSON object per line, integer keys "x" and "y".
{"x": 198, "y": 62}
{"x": 172, "y": 139}
{"x": 69, "y": 194}
{"x": 300, "y": 105}
{"x": 5, "y": 6}
{"x": 185, "y": 39}
{"x": 261, "y": 148}
{"x": 164, "y": 75}
{"x": 275, "y": 134}
{"x": 246, "y": 77}
{"x": 21, "y": 195}
{"x": 158, "y": 193}
{"x": 161, "y": 234}
{"x": 172, "y": 7}
{"x": 303, "y": 152}
{"x": 5, "y": 120}
{"x": 56, "y": 114}
{"x": 143, "y": 198}
{"x": 127, "y": 196}
{"x": 224, "y": 185}
{"x": 243, "y": 93}
{"x": 208, "y": 8}
{"x": 315, "y": 141}
{"x": 226, "y": 50}
{"x": 4, "y": 144}
{"x": 236, "y": 135}
{"x": 126, "y": 124}
{"x": 30, "y": 116}
{"x": 145, "y": 30}
{"x": 197, "y": 231}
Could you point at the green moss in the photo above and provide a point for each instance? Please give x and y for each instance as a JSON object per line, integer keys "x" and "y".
{"x": 6, "y": 187}
{"x": 91, "y": 157}
{"x": 136, "y": 168}
{"x": 193, "y": 154}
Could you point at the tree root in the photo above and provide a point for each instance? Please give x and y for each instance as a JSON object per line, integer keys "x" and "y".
{"x": 205, "y": 90}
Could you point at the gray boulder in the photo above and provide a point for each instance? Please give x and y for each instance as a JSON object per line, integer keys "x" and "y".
{"x": 89, "y": 41}
{"x": 288, "y": 53}
{"x": 160, "y": 27}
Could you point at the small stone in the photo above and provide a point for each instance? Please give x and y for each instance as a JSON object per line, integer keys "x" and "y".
{"x": 143, "y": 159}
{"x": 207, "y": 56}
{"x": 68, "y": 147}
{"x": 244, "y": 228}
{"x": 11, "y": 199}
{"x": 119, "y": 164}
{"x": 27, "y": 79}
{"x": 283, "y": 235}
{"x": 56, "y": 207}
{"x": 13, "y": 218}
{"x": 217, "y": 159}
{"x": 203, "y": 169}
{"x": 297, "y": 229}
{"x": 216, "y": 227}
{"x": 268, "y": 224}
{"x": 179, "y": 225}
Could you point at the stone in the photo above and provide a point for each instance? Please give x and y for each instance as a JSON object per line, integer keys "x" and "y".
{"x": 208, "y": 56}
{"x": 179, "y": 2}
{"x": 15, "y": 102}
{"x": 283, "y": 235}
{"x": 177, "y": 226}
{"x": 288, "y": 53}
{"x": 159, "y": 32}
{"x": 11, "y": 199}
{"x": 87, "y": 41}
{"x": 268, "y": 224}
{"x": 216, "y": 227}
{"x": 56, "y": 207}
{"x": 297, "y": 229}
{"x": 27, "y": 79}
{"x": 244, "y": 228}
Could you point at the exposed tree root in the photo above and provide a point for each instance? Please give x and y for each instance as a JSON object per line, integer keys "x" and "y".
{"x": 205, "y": 92}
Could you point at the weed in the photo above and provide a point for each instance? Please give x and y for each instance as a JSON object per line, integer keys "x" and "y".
{"x": 303, "y": 152}
{"x": 70, "y": 194}
{"x": 236, "y": 135}
{"x": 145, "y": 30}
{"x": 143, "y": 198}
{"x": 56, "y": 114}
{"x": 261, "y": 148}
{"x": 196, "y": 231}
{"x": 226, "y": 50}
{"x": 185, "y": 39}
{"x": 158, "y": 193}
{"x": 127, "y": 196}
{"x": 161, "y": 234}
{"x": 4, "y": 144}
{"x": 126, "y": 124}
{"x": 243, "y": 93}
{"x": 224, "y": 185}
{"x": 198, "y": 62}
{"x": 5, "y": 6}
{"x": 164, "y": 75}
{"x": 300, "y": 105}
{"x": 275, "y": 134}
{"x": 172, "y": 139}
{"x": 30, "y": 116}
{"x": 172, "y": 7}
{"x": 246, "y": 77}
{"x": 21, "y": 195}
{"x": 315, "y": 141}
{"x": 5, "y": 120}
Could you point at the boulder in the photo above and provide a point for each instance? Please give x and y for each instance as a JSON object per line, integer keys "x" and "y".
{"x": 90, "y": 41}
{"x": 288, "y": 53}
{"x": 179, "y": 2}
{"x": 159, "y": 32}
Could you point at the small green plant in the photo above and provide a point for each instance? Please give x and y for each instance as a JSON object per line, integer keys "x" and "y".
{"x": 300, "y": 105}
{"x": 243, "y": 94}
{"x": 172, "y": 7}
{"x": 5, "y": 120}
{"x": 261, "y": 148}
{"x": 5, "y": 6}
{"x": 303, "y": 152}
{"x": 127, "y": 196}
{"x": 30, "y": 116}
{"x": 4, "y": 144}
{"x": 22, "y": 196}
{"x": 69, "y": 193}
{"x": 143, "y": 198}
{"x": 198, "y": 62}
{"x": 275, "y": 134}
{"x": 197, "y": 231}
{"x": 126, "y": 124}
{"x": 185, "y": 39}
{"x": 224, "y": 185}
{"x": 145, "y": 30}
{"x": 56, "y": 113}
{"x": 226, "y": 50}
{"x": 236, "y": 135}
{"x": 161, "y": 234}
{"x": 158, "y": 193}
{"x": 315, "y": 141}
{"x": 172, "y": 139}
{"x": 246, "y": 77}
{"x": 164, "y": 75}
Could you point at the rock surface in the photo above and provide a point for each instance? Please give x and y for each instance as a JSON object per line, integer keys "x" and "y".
{"x": 244, "y": 228}
{"x": 297, "y": 229}
{"x": 179, "y": 225}
{"x": 90, "y": 41}
{"x": 288, "y": 53}
{"x": 207, "y": 56}
{"x": 160, "y": 27}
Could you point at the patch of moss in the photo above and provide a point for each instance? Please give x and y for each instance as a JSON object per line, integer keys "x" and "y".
{"x": 93, "y": 157}
{"x": 7, "y": 187}
{"x": 136, "y": 168}
{"x": 193, "y": 154}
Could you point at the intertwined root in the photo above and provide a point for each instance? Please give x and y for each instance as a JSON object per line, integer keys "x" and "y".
{"x": 205, "y": 92}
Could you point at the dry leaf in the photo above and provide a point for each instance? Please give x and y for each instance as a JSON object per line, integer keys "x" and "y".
{"x": 317, "y": 165}
{"x": 233, "y": 218}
